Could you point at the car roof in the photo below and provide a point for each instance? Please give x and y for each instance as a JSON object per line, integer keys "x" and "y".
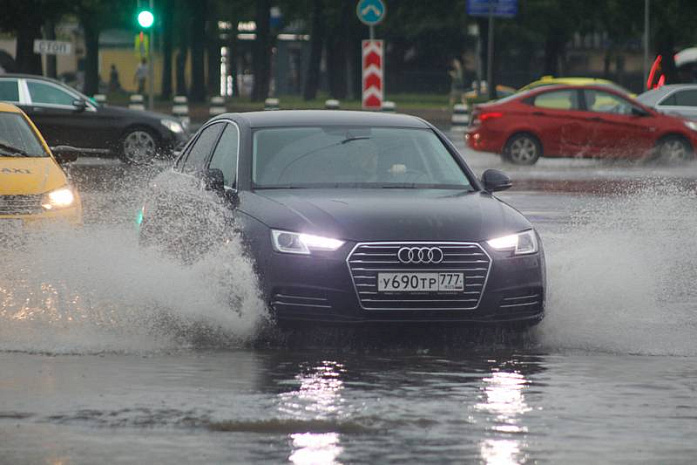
{"x": 29, "y": 76}
{"x": 294, "y": 118}
{"x": 652, "y": 96}
{"x": 8, "y": 108}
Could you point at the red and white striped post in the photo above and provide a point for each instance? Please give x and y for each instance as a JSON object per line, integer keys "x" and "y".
{"x": 373, "y": 77}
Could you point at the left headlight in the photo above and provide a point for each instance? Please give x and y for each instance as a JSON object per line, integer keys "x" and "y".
{"x": 297, "y": 243}
{"x": 521, "y": 244}
{"x": 174, "y": 126}
{"x": 59, "y": 198}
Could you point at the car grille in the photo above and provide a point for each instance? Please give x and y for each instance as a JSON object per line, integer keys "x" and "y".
{"x": 527, "y": 300}
{"x": 20, "y": 204}
{"x": 367, "y": 260}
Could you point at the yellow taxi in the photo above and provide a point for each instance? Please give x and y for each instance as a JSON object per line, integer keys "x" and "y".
{"x": 575, "y": 81}
{"x": 34, "y": 189}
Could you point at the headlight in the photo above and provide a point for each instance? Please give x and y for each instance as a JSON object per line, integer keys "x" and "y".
{"x": 521, "y": 243}
{"x": 174, "y": 126}
{"x": 290, "y": 242}
{"x": 691, "y": 124}
{"x": 60, "y": 198}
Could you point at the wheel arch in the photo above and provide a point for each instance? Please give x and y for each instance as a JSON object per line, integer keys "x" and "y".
{"x": 528, "y": 132}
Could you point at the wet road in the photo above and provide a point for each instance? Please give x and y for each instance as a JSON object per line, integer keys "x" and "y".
{"x": 112, "y": 355}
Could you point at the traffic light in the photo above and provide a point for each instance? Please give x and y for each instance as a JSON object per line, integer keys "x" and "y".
{"x": 145, "y": 19}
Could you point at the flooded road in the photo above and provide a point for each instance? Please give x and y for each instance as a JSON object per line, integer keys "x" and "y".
{"x": 109, "y": 354}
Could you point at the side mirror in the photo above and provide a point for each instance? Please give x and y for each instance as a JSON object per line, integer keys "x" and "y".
{"x": 79, "y": 105}
{"x": 495, "y": 180}
{"x": 214, "y": 180}
{"x": 65, "y": 154}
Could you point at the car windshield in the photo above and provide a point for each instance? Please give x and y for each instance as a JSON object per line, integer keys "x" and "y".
{"x": 346, "y": 157}
{"x": 17, "y": 139}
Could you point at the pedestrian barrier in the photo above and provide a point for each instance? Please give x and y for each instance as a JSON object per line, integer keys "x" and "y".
{"x": 136, "y": 102}
{"x": 388, "y": 106}
{"x": 272, "y": 104}
{"x": 331, "y": 104}
{"x": 99, "y": 98}
{"x": 180, "y": 109}
{"x": 460, "y": 117}
{"x": 217, "y": 106}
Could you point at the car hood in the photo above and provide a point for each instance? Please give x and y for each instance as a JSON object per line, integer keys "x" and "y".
{"x": 25, "y": 175}
{"x": 385, "y": 215}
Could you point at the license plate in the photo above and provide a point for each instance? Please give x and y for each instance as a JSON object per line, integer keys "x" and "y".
{"x": 421, "y": 282}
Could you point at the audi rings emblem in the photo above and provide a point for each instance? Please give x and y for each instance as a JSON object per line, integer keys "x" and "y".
{"x": 420, "y": 255}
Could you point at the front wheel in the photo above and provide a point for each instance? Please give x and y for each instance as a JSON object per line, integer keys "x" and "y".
{"x": 673, "y": 150}
{"x": 139, "y": 147}
{"x": 522, "y": 149}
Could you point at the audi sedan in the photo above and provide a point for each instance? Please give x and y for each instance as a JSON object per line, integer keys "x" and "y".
{"x": 353, "y": 217}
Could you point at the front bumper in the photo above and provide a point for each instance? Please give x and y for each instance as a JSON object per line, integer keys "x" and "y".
{"x": 27, "y": 223}
{"x": 320, "y": 288}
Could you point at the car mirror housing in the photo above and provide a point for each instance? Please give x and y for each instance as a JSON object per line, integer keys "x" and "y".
{"x": 65, "y": 154}
{"x": 79, "y": 105}
{"x": 495, "y": 180}
{"x": 214, "y": 180}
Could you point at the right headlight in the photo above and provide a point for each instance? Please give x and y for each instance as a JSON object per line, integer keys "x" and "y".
{"x": 521, "y": 243}
{"x": 59, "y": 198}
{"x": 303, "y": 244}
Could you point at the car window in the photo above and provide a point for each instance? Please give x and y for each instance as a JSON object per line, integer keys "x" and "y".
{"x": 350, "y": 157}
{"x": 669, "y": 101}
{"x": 17, "y": 138}
{"x": 558, "y": 100}
{"x": 48, "y": 94}
{"x": 604, "y": 102}
{"x": 225, "y": 155}
{"x": 686, "y": 98}
{"x": 9, "y": 91}
{"x": 201, "y": 149}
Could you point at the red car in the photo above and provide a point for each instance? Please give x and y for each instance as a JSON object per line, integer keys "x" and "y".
{"x": 578, "y": 121}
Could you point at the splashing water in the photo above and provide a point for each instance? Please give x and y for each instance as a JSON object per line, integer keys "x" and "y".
{"x": 622, "y": 276}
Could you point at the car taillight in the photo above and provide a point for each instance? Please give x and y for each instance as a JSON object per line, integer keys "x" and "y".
{"x": 491, "y": 115}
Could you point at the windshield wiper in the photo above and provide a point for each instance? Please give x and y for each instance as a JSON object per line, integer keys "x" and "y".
{"x": 13, "y": 151}
{"x": 281, "y": 186}
{"x": 351, "y": 139}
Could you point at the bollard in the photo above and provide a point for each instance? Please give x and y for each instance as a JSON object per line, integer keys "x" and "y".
{"x": 217, "y": 106}
{"x": 331, "y": 104}
{"x": 272, "y": 104}
{"x": 460, "y": 118}
{"x": 180, "y": 109}
{"x": 99, "y": 98}
{"x": 388, "y": 106}
{"x": 136, "y": 102}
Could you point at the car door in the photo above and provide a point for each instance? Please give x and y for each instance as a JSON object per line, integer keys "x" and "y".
{"x": 680, "y": 103}
{"x": 555, "y": 115}
{"x": 9, "y": 90}
{"x": 620, "y": 128}
{"x": 54, "y": 112}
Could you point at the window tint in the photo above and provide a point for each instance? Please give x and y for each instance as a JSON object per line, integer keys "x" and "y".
{"x": 225, "y": 155}
{"x": 9, "y": 92}
{"x": 669, "y": 101}
{"x": 48, "y": 94}
{"x": 558, "y": 100}
{"x": 201, "y": 149}
{"x": 686, "y": 98}
{"x": 605, "y": 102}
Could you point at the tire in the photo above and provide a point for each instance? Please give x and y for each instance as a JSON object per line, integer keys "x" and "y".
{"x": 139, "y": 146}
{"x": 673, "y": 150}
{"x": 522, "y": 149}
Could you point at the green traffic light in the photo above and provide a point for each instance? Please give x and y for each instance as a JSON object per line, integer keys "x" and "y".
{"x": 145, "y": 19}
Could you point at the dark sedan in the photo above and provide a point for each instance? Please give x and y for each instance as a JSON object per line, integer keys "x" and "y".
{"x": 355, "y": 217}
{"x": 66, "y": 117}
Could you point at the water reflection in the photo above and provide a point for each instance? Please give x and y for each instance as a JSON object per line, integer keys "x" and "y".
{"x": 503, "y": 398}
{"x": 319, "y": 397}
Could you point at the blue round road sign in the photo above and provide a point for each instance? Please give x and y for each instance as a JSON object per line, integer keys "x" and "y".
{"x": 371, "y": 12}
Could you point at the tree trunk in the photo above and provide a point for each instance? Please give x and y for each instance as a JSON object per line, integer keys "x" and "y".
{"x": 167, "y": 23}
{"x": 181, "y": 70}
{"x": 261, "y": 60}
{"x": 554, "y": 48}
{"x": 91, "y": 56}
{"x": 214, "y": 62}
{"x": 51, "y": 62}
{"x": 27, "y": 61}
{"x": 198, "y": 47}
{"x": 316, "y": 43}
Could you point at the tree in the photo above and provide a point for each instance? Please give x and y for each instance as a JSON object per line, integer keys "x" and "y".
{"x": 261, "y": 61}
